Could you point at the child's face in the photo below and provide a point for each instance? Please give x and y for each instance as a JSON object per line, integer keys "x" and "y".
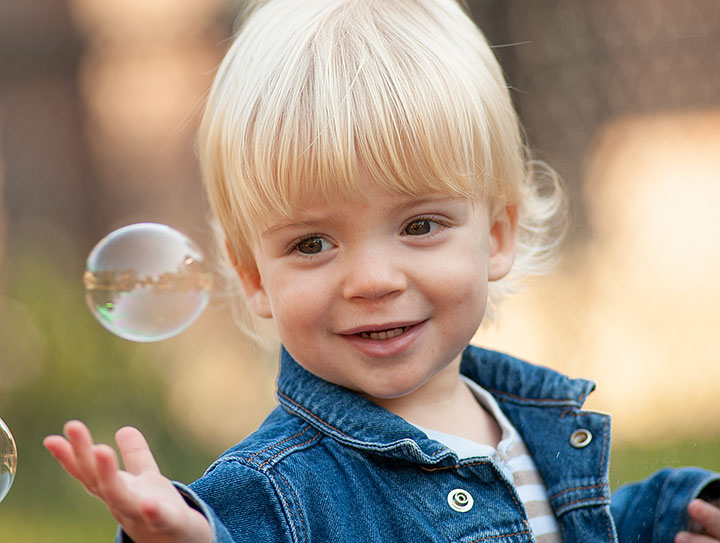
{"x": 380, "y": 296}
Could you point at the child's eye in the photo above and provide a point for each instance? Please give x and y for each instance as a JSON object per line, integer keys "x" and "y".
{"x": 420, "y": 227}
{"x": 312, "y": 245}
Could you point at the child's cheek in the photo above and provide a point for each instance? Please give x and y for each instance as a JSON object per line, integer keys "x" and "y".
{"x": 464, "y": 289}
{"x": 297, "y": 304}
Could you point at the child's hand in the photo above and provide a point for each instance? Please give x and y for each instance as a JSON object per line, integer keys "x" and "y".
{"x": 145, "y": 503}
{"x": 706, "y": 515}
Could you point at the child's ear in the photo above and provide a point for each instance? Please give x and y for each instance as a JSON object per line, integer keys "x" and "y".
{"x": 502, "y": 242}
{"x": 252, "y": 284}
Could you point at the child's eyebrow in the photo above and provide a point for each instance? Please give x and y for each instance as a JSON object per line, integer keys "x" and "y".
{"x": 288, "y": 224}
{"x": 431, "y": 199}
{"x": 405, "y": 203}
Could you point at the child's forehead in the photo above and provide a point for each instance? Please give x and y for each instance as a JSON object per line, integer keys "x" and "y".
{"x": 329, "y": 204}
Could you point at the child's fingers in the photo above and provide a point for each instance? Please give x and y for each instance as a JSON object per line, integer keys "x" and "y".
{"x": 146, "y": 503}
{"x": 112, "y": 487}
{"x": 82, "y": 444}
{"x": 185, "y": 525}
{"x": 707, "y": 515}
{"x": 63, "y": 452}
{"x": 688, "y": 537}
{"x": 135, "y": 452}
{"x": 154, "y": 517}
{"x": 79, "y": 437}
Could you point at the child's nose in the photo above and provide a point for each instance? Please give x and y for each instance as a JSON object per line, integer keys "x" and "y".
{"x": 373, "y": 275}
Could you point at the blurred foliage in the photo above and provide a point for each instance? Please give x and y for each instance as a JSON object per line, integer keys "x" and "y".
{"x": 86, "y": 373}
{"x": 634, "y": 461}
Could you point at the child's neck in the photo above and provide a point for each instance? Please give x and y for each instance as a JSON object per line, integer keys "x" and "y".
{"x": 447, "y": 405}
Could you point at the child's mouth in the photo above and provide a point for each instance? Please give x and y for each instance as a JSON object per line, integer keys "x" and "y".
{"x": 383, "y": 334}
{"x": 386, "y": 340}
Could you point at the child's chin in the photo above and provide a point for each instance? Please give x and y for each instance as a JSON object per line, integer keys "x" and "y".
{"x": 390, "y": 391}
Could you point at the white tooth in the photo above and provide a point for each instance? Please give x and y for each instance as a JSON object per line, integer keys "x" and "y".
{"x": 384, "y": 334}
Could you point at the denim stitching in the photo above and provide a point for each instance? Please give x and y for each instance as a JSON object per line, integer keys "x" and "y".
{"x": 279, "y": 443}
{"x": 581, "y": 398}
{"x": 606, "y": 439}
{"x": 609, "y": 529}
{"x": 276, "y": 487}
{"x": 526, "y": 532}
{"x": 599, "y": 485}
{"x": 583, "y": 501}
{"x": 287, "y": 508}
{"x": 297, "y": 502}
{"x": 535, "y": 400}
{"x": 312, "y": 414}
{"x": 287, "y": 449}
{"x": 454, "y": 466}
{"x": 338, "y": 431}
{"x": 512, "y": 494}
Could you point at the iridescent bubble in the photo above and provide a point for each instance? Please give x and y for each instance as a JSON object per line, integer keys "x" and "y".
{"x": 146, "y": 282}
{"x": 8, "y": 460}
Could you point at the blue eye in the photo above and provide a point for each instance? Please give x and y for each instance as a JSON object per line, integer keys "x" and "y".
{"x": 419, "y": 227}
{"x": 312, "y": 246}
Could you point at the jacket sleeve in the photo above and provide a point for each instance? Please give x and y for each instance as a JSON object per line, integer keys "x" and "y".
{"x": 243, "y": 503}
{"x": 655, "y": 509}
{"x": 240, "y": 503}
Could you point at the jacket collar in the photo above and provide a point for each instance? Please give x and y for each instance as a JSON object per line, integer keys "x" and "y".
{"x": 509, "y": 378}
{"x": 352, "y": 419}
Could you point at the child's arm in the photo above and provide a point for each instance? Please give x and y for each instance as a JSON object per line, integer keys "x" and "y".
{"x": 672, "y": 505}
{"x": 707, "y": 516}
{"x": 142, "y": 500}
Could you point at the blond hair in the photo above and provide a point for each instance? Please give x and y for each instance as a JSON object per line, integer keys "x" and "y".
{"x": 408, "y": 90}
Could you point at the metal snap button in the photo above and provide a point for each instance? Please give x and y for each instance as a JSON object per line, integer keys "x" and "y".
{"x": 581, "y": 438}
{"x": 460, "y": 500}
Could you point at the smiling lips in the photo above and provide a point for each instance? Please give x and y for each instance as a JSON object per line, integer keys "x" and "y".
{"x": 385, "y": 341}
{"x": 384, "y": 334}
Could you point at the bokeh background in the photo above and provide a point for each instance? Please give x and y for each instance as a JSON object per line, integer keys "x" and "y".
{"x": 99, "y": 102}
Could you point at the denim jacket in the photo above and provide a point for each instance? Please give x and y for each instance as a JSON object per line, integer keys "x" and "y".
{"x": 329, "y": 465}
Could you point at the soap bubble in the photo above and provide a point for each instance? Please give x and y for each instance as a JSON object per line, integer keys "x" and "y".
{"x": 146, "y": 282}
{"x": 8, "y": 460}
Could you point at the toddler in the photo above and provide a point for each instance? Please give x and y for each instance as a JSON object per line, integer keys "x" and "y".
{"x": 366, "y": 167}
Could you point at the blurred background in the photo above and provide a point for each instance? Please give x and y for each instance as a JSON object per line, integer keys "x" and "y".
{"x": 99, "y": 103}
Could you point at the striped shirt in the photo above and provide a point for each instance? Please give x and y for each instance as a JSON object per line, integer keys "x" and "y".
{"x": 514, "y": 460}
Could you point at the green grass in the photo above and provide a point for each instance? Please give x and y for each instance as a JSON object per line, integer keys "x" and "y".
{"x": 632, "y": 462}
{"x": 90, "y": 524}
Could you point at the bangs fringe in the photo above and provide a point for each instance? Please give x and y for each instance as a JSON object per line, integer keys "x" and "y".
{"x": 354, "y": 100}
